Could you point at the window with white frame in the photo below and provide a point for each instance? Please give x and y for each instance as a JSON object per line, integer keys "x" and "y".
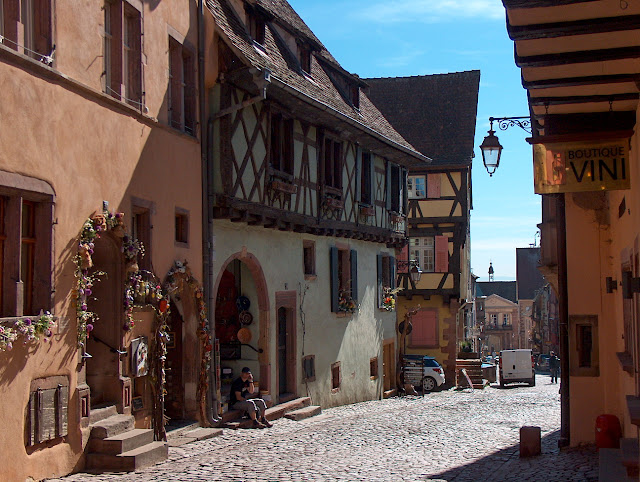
{"x": 494, "y": 319}
{"x": 505, "y": 319}
{"x": 417, "y": 187}
{"x": 422, "y": 250}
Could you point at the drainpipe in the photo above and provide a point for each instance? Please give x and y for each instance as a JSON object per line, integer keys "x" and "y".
{"x": 563, "y": 324}
{"x": 207, "y": 221}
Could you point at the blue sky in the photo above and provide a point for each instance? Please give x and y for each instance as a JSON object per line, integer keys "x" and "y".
{"x": 393, "y": 38}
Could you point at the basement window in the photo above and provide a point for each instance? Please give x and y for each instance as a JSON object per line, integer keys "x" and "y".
{"x": 373, "y": 368}
{"x": 335, "y": 377}
{"x": 309, "y": 367}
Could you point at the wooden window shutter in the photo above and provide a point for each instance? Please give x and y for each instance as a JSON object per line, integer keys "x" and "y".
{"x": 134, "y": 59}
{"x": 403, "y": 191}
{"x": 175, "y": 89}
{"x": 425, "y": 326}
{"x": 404, "y": 256}
{"x": 333, "y": 277}
{"x": 380, "y": 277}
{"x": 433, "y": 186}
{"x": 11, "y": 17}
{"x": 287, "y": 148}
{"x": 357, "y": 175}
{"x": 442, "y": 254}
{"x": 388, "y": 189}
{"x": 392, "y": 272}
{"x": 42, "y": 27}
{"x": 354, "y": 274}
{"x": 188, "y": 74}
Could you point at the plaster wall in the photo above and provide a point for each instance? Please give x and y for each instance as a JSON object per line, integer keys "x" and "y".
{"x": 88, "y": 150}
{"x": 445, "y": 352}
{"x": 351, "y": 339}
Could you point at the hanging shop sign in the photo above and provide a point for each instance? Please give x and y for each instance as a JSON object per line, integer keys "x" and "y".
{"x": 581, "y": 166}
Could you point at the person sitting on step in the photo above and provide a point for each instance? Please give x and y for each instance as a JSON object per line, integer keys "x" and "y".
{"x": 242, "y": 398}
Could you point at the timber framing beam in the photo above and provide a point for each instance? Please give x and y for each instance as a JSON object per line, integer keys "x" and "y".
{"x": 580, "y": 81}
{"x": 540, "y": 3}
{"x": 577, "y": 27}
{"x": 581, "y": 99}
{"x": 578, "y": 57}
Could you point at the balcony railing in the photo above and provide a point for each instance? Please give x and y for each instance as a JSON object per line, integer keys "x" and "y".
{"x": 498, "y": 326}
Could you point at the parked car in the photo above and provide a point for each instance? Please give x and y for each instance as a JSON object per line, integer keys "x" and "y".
{"x": 542, "y": 365}
{"x": 517, "y": 366}
{"x": 432, "y": 374}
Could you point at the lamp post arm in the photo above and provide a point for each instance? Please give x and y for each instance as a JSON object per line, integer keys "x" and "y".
{"x": 524, "y": 122}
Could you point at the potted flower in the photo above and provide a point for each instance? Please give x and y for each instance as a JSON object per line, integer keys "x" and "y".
{"x": 389, "y": 298}
{"x": 346, "y": 303}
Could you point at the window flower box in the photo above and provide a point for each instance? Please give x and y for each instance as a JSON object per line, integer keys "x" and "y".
{"x": 334, "y": 203}
{"x": 367, "y": 211}
{"x": 396, "y": 218}
{"x": 285, "y": 187}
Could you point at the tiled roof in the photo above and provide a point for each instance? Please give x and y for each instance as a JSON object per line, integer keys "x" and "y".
{"x": 528, "y": 277}
{"x": 505, "y": 289}
{"x": 284, "y": 67}
{"x": 435, "y": 113}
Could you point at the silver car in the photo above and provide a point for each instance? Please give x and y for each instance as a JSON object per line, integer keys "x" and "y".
{"x": 432, "y": 374}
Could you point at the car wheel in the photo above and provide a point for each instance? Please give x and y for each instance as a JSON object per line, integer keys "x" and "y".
{"x": 501, "y": 383}
{"x": 428, "y": 384}
{"x": 532, "y": 383}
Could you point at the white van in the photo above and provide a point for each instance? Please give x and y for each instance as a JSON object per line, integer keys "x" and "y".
{"x": 517, "y": 366}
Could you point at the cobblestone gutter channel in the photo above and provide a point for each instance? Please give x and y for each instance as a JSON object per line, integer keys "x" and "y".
{"x": 446, "y": 436}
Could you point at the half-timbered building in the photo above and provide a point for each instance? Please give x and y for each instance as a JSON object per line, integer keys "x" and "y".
{"x": 308, "y": 205}
{"x": 437, "y": 114}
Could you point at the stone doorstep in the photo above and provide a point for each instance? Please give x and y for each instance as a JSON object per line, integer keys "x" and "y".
{"x": 233, "y": 418}
{"x": 610, "y": 466}
{"x": 629, "y": 449}
{"x": 179, "y": 432}
{"x": 120, "y": 443}
{"x": 113, "y": 425}
{"x": 100, "y": 413}
{"x": 138, "y": 458}
{"x": 303, "y": 413}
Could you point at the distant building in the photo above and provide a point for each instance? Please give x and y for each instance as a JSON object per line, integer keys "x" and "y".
{"x": 437, "y": 115}
{"x": 528, "y": 281}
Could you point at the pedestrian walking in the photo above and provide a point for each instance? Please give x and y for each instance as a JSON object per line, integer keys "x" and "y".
{"x": 242, "y": 398}
{"x": 554, "y": 365}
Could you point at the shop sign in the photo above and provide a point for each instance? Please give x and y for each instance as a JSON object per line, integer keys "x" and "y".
{"x": 581, "y": 166}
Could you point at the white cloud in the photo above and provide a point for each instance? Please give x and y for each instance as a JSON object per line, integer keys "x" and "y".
{"x": 431, "y": 11}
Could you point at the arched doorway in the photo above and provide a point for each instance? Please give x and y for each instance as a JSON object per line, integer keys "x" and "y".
{"x": 104, "y": 367}
{"x": 242, "y": 321}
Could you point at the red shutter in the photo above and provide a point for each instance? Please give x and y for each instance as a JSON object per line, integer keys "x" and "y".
{"x": 404, "y": 256}
{"x": 433, "y": 186}
{"x": 425, "y": 332}
{"x": 42, "y": 27}
{"x": 11, "y": 19}
{"x": 442, "y": 254}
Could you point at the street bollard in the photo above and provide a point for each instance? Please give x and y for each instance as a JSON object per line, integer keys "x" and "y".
{"x": 530, "y": 442}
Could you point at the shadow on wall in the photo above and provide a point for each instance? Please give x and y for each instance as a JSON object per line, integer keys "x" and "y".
{"x": 579, "y": 463}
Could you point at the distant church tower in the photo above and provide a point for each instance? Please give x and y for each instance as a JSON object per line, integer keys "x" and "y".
{"x": 490, "y": 271}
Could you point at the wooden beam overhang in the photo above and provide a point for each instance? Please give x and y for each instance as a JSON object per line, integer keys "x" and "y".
{"x": 577, "y": 57}
{"x": 581, "y": 99}
{"x": 541, "y": 3}
{"x": 576, "y": 27}
{"x": 238, "y": 211}
{"x": 580, "y": 81}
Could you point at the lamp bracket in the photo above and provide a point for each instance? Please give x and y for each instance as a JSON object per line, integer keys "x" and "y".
{"x": 524, "y": 122}
{"x": 611, "y": 284}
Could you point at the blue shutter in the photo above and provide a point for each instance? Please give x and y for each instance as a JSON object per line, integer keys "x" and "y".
{"x": 379, "y": 284}
{"x": 392, "y": 272}
{"x": 354, "y": 274}
{"x": 333, "y": 277}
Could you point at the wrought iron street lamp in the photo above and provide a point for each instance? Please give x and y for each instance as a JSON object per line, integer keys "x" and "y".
{"x": 491, "y": 148}
{"x": 415, "y": 271}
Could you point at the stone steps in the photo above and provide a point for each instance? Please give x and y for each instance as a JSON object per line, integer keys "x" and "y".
{"x": 303, "y": 413}
{"x": 195, "y": 435}
{"x": 135, "y": 459}
{"x": 233, "y": 418}
{"x": 115, "y": 445}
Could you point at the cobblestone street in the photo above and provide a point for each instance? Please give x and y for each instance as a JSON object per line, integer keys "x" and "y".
{"x": 448, "y": 436}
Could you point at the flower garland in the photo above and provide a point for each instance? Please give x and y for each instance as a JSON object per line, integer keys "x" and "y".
{"x": 28, "y": 327}
{"x": 179, "y": 278}
{"x": 85, "y": 280}
{"x": 143, "y": 293}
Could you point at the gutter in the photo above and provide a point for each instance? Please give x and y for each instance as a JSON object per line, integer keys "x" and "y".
{"x": 207, "y": 221}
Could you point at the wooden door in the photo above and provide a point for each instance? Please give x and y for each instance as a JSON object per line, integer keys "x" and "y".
{"x": 388, "y": 365}
{"x": 282, "y": 351}
{"x": 174, "y": 399}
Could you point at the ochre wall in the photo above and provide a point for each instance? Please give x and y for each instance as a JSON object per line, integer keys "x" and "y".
{"x": 89, "y": 150}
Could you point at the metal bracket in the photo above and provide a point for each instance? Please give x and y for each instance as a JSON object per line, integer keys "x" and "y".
{"x": 611, "y": 284}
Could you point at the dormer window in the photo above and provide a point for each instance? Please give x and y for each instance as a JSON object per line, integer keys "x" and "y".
{"x": 354, "y": 96}
{"x": 304, "y": 56}
{"x": 256, "y": 26}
